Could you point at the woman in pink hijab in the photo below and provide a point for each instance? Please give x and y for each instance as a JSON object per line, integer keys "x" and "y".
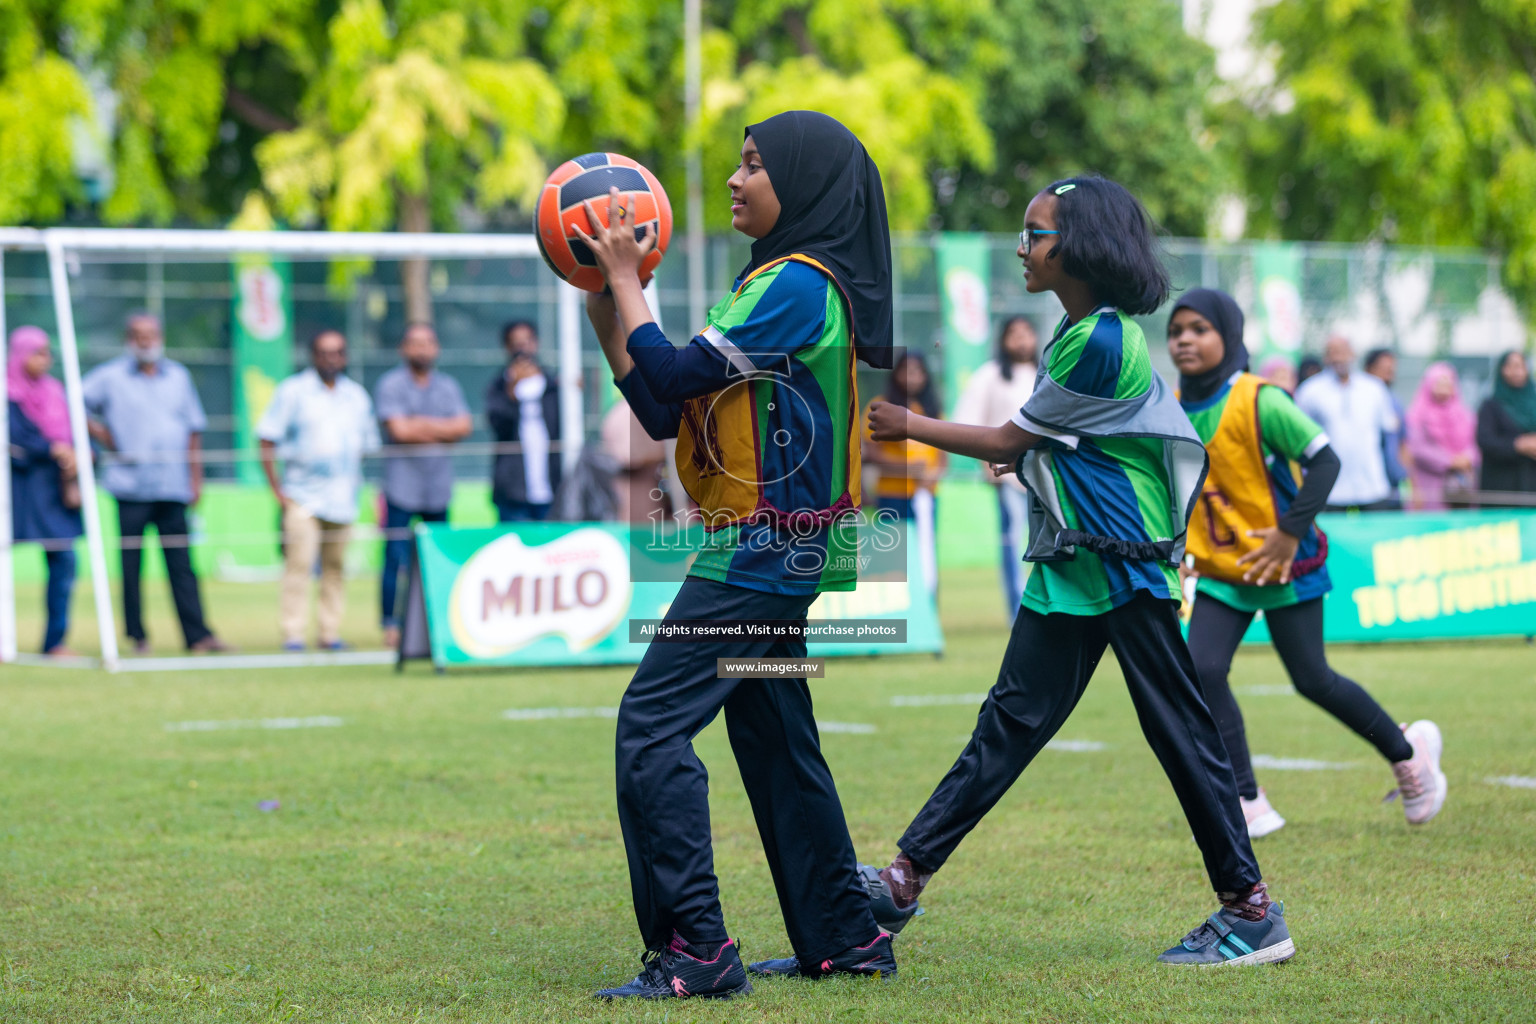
{"x": 40, "y": 396}
{"x": 45, "y": 493}
{"x": 1442, "y": 439}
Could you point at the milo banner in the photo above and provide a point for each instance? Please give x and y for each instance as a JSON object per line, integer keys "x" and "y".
{"x": 1429, "y": 576}
{"x": 263, "y": 346}
{"x": 564, "y": 594}
{"x": 965, "y": 268}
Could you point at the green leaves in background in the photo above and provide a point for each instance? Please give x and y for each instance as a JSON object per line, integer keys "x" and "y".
{"x": 370, "y": 114}
{"x": 1408, "y": 120}
{"x": 412, "y": 114}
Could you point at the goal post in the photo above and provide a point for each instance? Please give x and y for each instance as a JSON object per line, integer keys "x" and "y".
{"x": 8, "y": 639}
{"x": 69, "y": 354}
{"x": 60, "y": 245}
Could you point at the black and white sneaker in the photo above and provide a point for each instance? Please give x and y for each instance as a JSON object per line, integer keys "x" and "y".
{"x": 684, "y": 971}
{"x": 874, "y": 959}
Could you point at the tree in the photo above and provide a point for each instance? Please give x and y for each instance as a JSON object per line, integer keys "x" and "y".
{"x": 850, "y": 59}
{"x": 371, "y": 114}
{"x": 412, "y": 113}
{"x": 620, "y": 66}
{"x": 161, "y": 62}
{"x": 37, "y": 88}
{"x": 1114, "y": 87}
{"x": 1406, "y": 120}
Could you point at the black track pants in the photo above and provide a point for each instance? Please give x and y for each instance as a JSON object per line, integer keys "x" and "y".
{"x": 1049, "y": 660}
{"x": 664, "y": 788}
{"x": 1216, "y": 629}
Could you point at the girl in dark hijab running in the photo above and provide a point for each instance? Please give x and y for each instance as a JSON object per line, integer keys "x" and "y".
{"x": 764, "y": 405}
{"x": 1254, "y": 549}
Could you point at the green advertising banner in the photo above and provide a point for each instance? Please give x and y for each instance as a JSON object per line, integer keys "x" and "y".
{"x": 1428, "y": 576}
{"x": 965, "y": 268}
{"x": 563, "y": 594}
{"x": 1277, "y": 314}
{"x": 263, "y": 346}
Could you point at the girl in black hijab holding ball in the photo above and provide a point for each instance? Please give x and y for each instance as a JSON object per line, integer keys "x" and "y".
{"x": 764, "y": 404}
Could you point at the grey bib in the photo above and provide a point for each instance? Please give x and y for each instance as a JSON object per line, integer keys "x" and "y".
{"x": 1155, "y": 414}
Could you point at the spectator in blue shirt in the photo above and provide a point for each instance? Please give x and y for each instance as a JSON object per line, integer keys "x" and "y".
{"x": 422, "y": 408}
{"x": 320, "y": 423}
{"x": 145, "y": 414}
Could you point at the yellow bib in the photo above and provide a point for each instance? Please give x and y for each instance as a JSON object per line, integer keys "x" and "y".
{"x": 718, "y": 460}
{"x": 1237, "y": 496}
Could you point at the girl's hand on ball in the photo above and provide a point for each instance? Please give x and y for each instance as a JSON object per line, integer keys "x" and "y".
{"x": 619, "y": 254}
{"x": 1273, "y": 557}
{"x": 887, "y": 421}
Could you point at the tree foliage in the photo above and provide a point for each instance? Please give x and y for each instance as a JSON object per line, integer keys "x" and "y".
{"x": 38, "y": 88}
{"x": 1406, "y": 120}
{"x": 849, "y": 59}
{"x": 370, "y": 114}
{"x": 162, "y": 62}
{"x": 1115, "y": 87}
{"x": 412, "y": 114}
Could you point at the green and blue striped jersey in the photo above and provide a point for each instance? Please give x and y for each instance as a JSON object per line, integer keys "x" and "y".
{"x": 1113, "y": 487}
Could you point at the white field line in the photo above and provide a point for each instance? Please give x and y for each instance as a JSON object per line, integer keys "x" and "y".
{"x": 928, "y": 700}
{"x": 1299, "y": 764}
{"x": 545, "y": 714}
{"x": 1264, "y": 690}
{"x": 1512, "y": 781}
{"x": 540, "y": 714}
{"x": 315, "y": 722}
{"x": 199, "y": 662}
{"x": 314, "y": 659}
{"x": 1063, "y": 746}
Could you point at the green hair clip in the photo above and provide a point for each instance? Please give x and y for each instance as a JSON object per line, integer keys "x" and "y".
{"x": 1068, "y": 187}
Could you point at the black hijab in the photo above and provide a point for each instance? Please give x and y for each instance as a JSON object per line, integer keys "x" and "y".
{"x": 1221, "y": 310}
{"x": 832, "y": 209}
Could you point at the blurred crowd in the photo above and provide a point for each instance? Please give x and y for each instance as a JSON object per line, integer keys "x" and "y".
{"x": 1435, "y": 454}
{"x": 146, "y": 421}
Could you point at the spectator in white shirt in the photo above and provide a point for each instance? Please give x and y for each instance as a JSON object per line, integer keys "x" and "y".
{"x": 321, "y": 424}
{"x": 1356, "y": 412}
{"x": 997, "y": 390}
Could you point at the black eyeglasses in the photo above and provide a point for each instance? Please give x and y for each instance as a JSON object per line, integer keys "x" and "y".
{"x": 1027, "y": 238}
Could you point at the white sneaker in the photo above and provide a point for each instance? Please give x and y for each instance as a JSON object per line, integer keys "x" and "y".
{"x": 1420, "y": 782}
{"x": 1262, "y": 819}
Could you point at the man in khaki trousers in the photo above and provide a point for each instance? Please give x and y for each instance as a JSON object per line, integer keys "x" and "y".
{"x": 320, "y": 424}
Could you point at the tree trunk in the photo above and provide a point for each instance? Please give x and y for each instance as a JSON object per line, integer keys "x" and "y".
{"x": 414, "y": 273}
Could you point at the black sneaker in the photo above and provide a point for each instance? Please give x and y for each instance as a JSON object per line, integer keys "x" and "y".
{"x": 681, "y": 972}
{"x": 873, "y": 959}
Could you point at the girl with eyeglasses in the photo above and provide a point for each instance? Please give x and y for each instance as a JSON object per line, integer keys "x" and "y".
{"x": 1114, "y": 469}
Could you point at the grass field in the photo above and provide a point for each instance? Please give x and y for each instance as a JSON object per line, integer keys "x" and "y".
{"x": 435, "y": 860}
